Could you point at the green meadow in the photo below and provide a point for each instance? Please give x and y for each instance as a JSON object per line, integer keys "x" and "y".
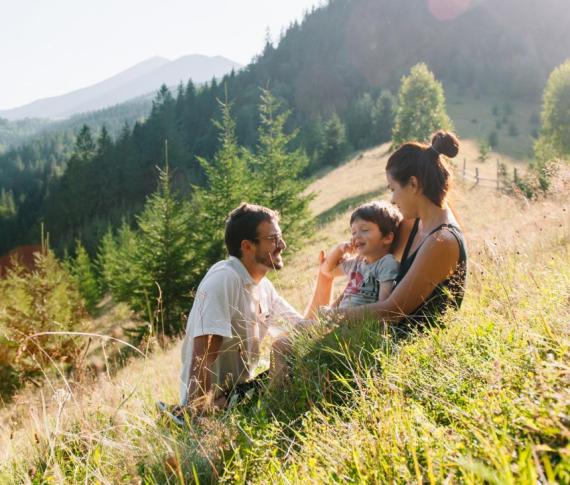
{"x": 483, "y": 399}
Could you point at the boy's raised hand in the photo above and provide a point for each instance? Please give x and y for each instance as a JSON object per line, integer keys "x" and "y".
{"x": 334, "y": 257}
{"x": 347, "y": 248}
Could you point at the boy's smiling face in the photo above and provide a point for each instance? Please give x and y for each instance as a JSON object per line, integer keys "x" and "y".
{"x": 368, "y": 241}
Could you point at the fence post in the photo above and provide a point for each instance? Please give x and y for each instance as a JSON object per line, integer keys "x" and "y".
{"x": 498, "y": 174}
{"x": 464, "y": 166}
{"x": 476, "y": 175}
{"x": 515, "y": 176}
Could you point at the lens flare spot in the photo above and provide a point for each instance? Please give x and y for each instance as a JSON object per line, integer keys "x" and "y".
{"x": 448, "y": 9}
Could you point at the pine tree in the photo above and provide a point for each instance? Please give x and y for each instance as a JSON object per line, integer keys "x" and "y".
{"x": 359, "y": 122}
{"x": 334, "y": 143}
{"x": 229, "y": 182}
{"x": 421, "y": 107}
{"x": 103, "y": 171}
{"x": 163, "y": 258}
{"x": 116, "y": 260}
{"x": 383, "y": 117}
{"x": 76, "y": 189}
{"x": 83, "y": 272}
{"x": 7, "y": 204}
{"x": 84, "y": 145}
{"x": 313, "y": 140}
{"x": 278, "y": 169}
{"x": 106, "y": 260}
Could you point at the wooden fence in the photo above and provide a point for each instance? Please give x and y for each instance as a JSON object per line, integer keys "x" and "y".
{"x": 500, "y": 181}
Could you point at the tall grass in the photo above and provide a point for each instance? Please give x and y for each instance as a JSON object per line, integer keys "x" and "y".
{"x": 484, "y": 399}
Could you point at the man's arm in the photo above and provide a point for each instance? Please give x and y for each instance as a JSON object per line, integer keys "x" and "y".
{"x": 205, "y": 352}
{"x": 209, "y": 322}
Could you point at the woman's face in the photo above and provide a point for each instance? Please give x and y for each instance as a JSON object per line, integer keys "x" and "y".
{"x": 403, "y": 197}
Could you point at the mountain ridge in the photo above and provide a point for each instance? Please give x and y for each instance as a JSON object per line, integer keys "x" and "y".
{"x": 140, "y": 79}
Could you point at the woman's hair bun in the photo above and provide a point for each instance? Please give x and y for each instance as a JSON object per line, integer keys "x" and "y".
{"x": 445, "y": 143}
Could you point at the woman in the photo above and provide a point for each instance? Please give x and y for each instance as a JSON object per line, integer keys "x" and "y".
{"x": 431, "y": 245}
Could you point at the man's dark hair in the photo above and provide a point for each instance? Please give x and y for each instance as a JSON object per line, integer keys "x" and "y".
{"x": 385, "y": 216}
{"x": 242, "y": 224}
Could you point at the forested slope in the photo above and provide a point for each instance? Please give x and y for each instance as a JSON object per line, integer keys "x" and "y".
{"x": 343, "y": 59}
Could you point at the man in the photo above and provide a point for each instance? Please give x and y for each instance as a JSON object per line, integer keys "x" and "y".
{"x": 234, "y": 308}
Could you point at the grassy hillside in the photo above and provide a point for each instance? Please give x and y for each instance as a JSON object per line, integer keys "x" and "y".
{"x": 516, "y": 123}
{"x": 484, "y": 400}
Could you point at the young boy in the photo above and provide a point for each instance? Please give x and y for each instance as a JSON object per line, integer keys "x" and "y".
{"x": 366, "y": 258}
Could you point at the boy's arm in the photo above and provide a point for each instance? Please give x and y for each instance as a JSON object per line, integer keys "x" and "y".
{"x": 386, "y": 289}
{"x": 331, "y": 265}
{"x": 388, "y": 273}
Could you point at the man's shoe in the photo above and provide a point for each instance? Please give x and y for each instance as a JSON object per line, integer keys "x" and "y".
{"x": 179, "y": 415}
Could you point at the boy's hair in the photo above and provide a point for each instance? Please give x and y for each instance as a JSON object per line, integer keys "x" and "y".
{"x": 384, "y": 215}
{"x": 242, "y": 224}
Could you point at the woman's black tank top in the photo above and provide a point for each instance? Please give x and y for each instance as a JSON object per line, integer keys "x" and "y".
{"x": 448, "y": 293}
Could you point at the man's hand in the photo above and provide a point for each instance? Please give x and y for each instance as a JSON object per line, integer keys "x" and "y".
{"x": 206, "y": 404}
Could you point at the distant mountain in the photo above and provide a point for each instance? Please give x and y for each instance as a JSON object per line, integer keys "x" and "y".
{"x": 143, "y": 78}
{"x": 15, "y": 133}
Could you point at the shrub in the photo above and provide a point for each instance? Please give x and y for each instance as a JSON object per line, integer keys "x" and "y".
{"x": 46, "y": 299}
{"x": 555, "y": 116}
{"x": 484, "y": 150}
{"x": 537, "y": 179}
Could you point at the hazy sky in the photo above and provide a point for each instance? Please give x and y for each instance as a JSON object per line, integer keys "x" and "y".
{"x": 50, "y": 47}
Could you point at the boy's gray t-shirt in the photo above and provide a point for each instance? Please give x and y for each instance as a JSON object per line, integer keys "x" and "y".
{"x": 364, "y": 279}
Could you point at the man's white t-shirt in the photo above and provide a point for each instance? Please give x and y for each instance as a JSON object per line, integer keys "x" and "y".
{"x": 230, "y": 304}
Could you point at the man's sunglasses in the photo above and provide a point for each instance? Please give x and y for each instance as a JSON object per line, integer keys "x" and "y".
{"x": 275, "y": 238}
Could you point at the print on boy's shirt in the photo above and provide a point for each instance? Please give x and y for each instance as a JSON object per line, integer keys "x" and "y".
{"x": 359, "y": 285}
{"x": 354, "y": 283}
{"x": 365, "y": 279}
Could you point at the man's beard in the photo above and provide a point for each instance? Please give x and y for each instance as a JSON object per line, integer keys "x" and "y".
{"x": 270, "y": 260}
